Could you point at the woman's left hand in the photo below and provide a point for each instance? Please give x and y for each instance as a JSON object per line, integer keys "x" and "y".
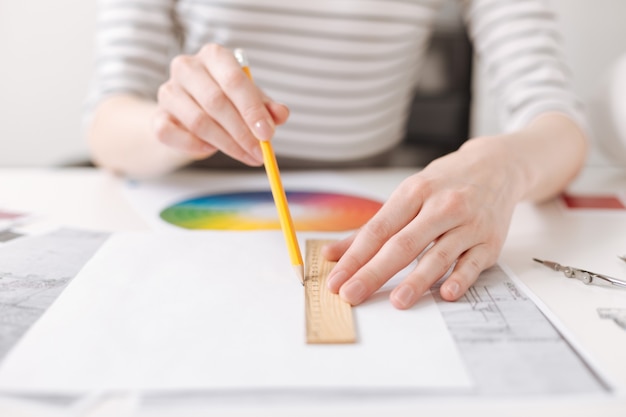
{"x": 462, "y": 203}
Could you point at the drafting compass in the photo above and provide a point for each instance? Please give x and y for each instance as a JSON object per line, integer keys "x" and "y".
{"x": 585, "y": 276}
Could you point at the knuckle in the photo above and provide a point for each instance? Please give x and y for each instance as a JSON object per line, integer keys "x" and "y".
{"x": 164, "y": 91}
{"x": 454, "y": 204}
{"x": 179, "y": 63}
{"x": 198, "y": 122}
{"x": 406, "y": 244}
{"x": 492, "y": 237}
{"x": 350, "y": 261}
{"x": 214, "y": 99}
{"x": 210, "y": 50}
{"x": 371, "y": 279}
{"x": 234, "y": 80}
{"x": 472, "y": 268}
{"x": 378, "y": 229}
{"x": 253, "y": 113}
{"x": 417, "y": 186}
{"x": 442, "y": 258}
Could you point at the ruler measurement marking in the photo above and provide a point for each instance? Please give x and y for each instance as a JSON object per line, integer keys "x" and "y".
{"x": 328, "y": 318}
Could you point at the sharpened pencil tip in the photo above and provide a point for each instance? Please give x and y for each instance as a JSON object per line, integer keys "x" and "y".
{"x": 299, "y": 272}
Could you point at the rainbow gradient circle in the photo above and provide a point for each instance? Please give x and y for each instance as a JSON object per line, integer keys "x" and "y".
{"x": 255, "y": 210}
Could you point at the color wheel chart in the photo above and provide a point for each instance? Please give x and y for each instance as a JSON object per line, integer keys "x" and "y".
{"x": 255, "y": 210}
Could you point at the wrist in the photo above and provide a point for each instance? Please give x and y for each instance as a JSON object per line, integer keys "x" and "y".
{"x": 539, "y": 160}
{"x": 507, "y": 171}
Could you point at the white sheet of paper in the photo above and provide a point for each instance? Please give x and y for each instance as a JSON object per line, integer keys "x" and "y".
{"x": 218, "y": 311}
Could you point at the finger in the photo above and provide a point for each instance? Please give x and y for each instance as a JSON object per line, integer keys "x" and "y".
{"x": 333, "y": 251}
{"x": 402, "y": 249}
{"x": 184, "y": 109}
{"x": 445, "y": 251}
{"x": 279, "y": 112}
{"x": 416, "y": 283}
{"x": 439, "y": 215}
{"x": 197, "y": 82}
{"x": 443, "y": 222}
{"x": 170, "y": 132}
{"x": 466, "y": 271}
{"x": 433, "y": 265}
{"x": 399, "y": 210}
{"x": 240, "y": 90}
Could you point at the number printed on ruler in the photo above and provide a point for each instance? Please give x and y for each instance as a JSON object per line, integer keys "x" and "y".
{"x": 328, "y": 317}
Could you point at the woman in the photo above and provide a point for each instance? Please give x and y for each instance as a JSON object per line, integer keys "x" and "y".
{"x": 168, "y": 92}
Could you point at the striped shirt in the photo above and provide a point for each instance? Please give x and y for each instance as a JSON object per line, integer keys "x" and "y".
{"x": 347, "y": 69}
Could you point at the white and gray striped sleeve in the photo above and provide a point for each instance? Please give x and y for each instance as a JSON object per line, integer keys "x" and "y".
{"x": 519, "y": 45}
{"x": 135, "y": 40}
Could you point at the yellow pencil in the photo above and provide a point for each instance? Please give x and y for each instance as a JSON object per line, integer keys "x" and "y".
{"x": 278, "y": 192}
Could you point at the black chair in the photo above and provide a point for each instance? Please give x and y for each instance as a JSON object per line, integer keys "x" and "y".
{"x": 439, "y": 119}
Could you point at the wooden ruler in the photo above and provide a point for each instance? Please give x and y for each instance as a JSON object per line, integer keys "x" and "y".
{"x": 328, "y": 317}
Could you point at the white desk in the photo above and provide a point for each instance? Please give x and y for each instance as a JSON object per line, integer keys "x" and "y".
{"x": 90, "y": 199}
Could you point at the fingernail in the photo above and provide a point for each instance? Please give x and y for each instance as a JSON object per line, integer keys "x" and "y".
{"x": 404, "y": 296}
{"x": 453, "y": 289}
{"x": 353, "y": 292}
{"x": 335, "y": 280}
{"x": 263, "y": 129}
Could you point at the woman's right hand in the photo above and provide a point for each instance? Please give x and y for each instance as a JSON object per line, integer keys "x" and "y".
{"x": 209, "y": 104}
